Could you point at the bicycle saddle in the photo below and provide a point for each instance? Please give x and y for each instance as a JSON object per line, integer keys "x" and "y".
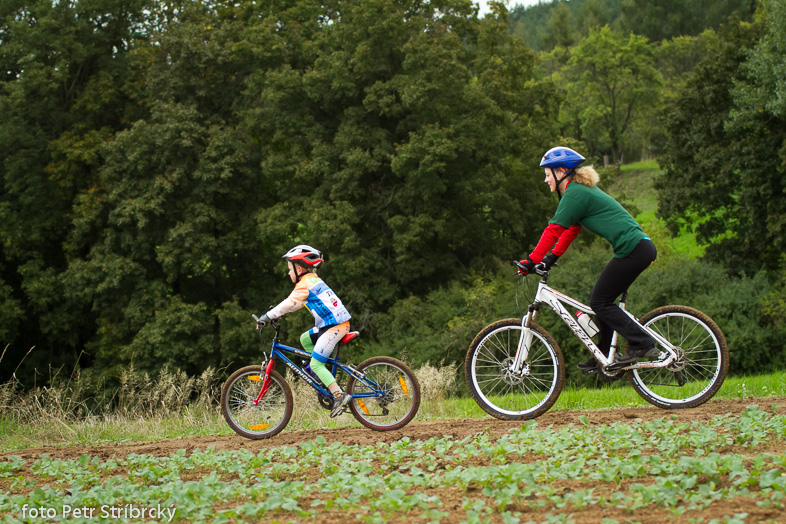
{"x": 349, "y": 337}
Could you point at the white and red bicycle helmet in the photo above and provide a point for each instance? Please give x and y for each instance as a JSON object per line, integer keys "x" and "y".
{"x": 305, "y": 255}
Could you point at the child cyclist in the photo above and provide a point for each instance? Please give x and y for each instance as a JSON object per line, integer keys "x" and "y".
{"x": 330, "y": 316}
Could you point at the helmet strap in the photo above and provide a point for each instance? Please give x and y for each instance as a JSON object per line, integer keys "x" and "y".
{"x": 568, "y": 173}
{"x": 297, "y": 267}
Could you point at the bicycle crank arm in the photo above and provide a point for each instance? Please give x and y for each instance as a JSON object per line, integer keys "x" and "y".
{"x": 641, "y": 365}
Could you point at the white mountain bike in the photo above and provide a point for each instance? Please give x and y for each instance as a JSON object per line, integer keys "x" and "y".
{"x": 515, "y": 370}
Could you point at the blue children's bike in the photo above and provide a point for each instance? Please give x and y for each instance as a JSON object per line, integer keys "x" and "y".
{"x": 257, "y": 402}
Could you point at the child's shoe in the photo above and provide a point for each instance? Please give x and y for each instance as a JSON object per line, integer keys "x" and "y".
{"x": 340, "y": 404}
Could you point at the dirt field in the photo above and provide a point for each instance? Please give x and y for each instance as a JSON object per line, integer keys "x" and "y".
{"x": 460, "y": 428}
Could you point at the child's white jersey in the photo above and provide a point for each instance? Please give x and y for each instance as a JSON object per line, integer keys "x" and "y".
{"x": 312, "y": 292}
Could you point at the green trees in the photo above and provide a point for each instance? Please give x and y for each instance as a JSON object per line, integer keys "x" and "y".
{"x": 200, "y": 142}
{"x": 611, "y": 85}
{"x": 157, "y": 158}
{"x": 408, "y": 147}
{"x": 724, "y": 158}
{"x": 610, "y": 59}
{"x": 61, "y": 64}
{"x": 546, "y": 25}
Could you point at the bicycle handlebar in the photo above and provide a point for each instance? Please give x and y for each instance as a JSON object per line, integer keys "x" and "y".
{"x": 276, "y": 325}
{"x": 538, "y": 270}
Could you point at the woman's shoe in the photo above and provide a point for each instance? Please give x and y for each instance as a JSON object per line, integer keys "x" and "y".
{"x": 590, "y": 367}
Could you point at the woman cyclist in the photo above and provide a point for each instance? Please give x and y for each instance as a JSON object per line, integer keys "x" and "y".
{"x": 583, "y": 204}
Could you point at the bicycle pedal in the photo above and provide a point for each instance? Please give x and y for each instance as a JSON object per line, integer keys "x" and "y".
{"x": 590, "y": 371}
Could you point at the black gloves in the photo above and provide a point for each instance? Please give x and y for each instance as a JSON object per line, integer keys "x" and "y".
{"x": 549, "y": 260}
{"x": 527, "y": 266}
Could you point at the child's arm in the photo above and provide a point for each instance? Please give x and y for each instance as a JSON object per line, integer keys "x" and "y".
{"x": 293, "y": 302}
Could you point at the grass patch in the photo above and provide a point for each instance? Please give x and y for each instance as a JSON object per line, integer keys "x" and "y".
{"x": 641, "y": 166}
{"x": 634, "y": 187}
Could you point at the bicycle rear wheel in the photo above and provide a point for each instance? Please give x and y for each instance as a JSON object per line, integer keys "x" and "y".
{"x": 401, "y": 399}
{"x": 500, "y": 392}
{"x": 244, "y": 416}
{"x": 702, "y": 364}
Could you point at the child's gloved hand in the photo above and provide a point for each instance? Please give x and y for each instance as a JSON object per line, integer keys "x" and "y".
{"x": 264, "y": 320}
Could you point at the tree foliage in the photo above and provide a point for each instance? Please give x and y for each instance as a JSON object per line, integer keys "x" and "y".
{"x": 159, "y": 157}
{"x": 724, "y": 157}
{"x": 610, "y": 82}
{"x": 550, "y": 24}
{"x": 62, "y": 65}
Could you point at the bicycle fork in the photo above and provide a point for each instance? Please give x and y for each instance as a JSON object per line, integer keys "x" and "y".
{"x": 265, "y": 381}
{"x": 525, "y": 341}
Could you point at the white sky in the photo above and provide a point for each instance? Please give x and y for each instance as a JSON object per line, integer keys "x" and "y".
{"x": 484, "y": 10}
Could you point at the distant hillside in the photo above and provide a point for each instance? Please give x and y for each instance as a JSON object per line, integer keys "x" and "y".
{"x": 564, "y": 23}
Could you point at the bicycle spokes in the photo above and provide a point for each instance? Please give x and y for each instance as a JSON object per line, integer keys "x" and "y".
{"x": 387, "y": 397}
{"x": 500, "y": 388}
{"x": 701, "y": 363}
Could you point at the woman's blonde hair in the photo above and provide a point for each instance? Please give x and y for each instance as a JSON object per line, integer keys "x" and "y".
{"x": 587, "y": 176}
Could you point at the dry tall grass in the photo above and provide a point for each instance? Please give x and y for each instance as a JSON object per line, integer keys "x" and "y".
{"x": 80, "y": 396}
{"x": 79, "y": 408}
{"x": 307, "y": 413}
{"x": 437, "y": 385}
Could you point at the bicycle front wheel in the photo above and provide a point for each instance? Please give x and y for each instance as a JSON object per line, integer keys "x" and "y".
{"x": 701, "y": 366}
{"x": 400, "y": 398}
{"x": 248, "y": 418}
{"x": 506, "y": 394}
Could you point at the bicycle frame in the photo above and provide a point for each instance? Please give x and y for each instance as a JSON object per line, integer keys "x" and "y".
{"x": 280, "y": 351}
{"x": 555, "y": 300}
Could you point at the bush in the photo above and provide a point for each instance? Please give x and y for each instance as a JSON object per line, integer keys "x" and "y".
{"x": 440, "y": 326}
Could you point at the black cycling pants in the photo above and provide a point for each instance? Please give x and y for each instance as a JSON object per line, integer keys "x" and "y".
{"x": 617, "y": 276}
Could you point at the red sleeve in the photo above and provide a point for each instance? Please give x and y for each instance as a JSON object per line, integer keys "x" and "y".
{"x": 547, "y": 240}
{"x": 565, "y": 239}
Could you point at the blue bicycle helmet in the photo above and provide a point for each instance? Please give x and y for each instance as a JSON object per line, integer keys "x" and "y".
{"x": 561, "y": 157}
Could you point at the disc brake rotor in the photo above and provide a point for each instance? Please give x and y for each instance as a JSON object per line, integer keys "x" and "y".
{"x": 508, "y": 376}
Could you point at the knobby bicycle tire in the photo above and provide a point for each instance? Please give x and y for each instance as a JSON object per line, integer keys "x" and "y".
{"x": 256, "y": 421}
{"x": 701, "y": 369}
{"x": 400, "y": 403}
{"x": 497, "y": 390}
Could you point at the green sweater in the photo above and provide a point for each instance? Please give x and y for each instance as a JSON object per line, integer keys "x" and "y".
{"x": 592, "y": 208}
